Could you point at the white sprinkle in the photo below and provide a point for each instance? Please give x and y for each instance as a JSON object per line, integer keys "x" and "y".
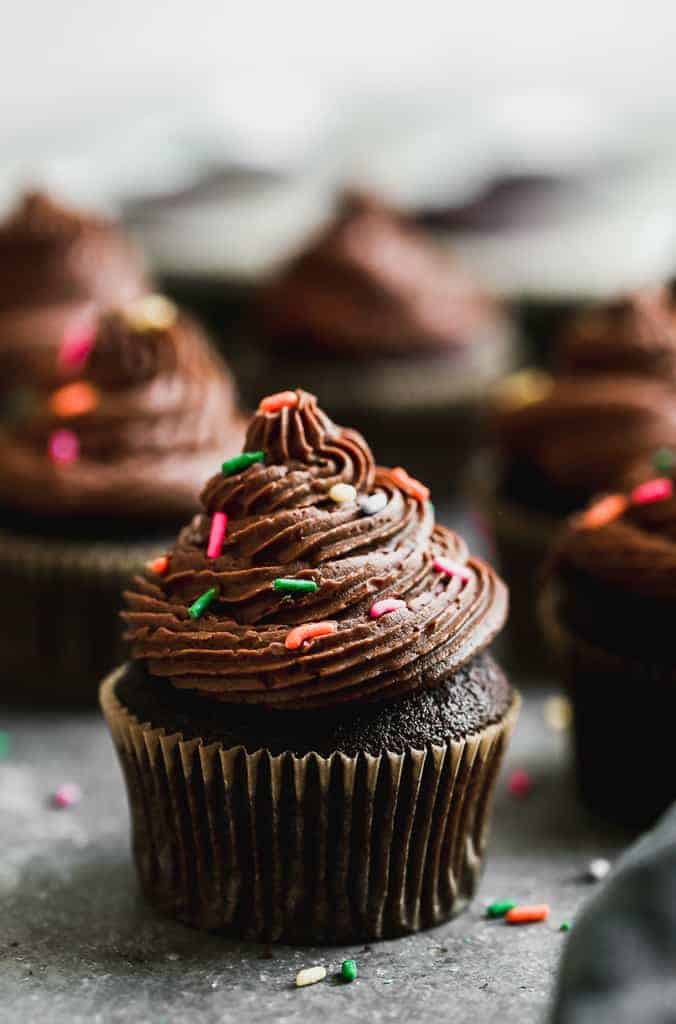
{"x": 598, "y": 869}
{"x": 310, "y": 976}
{"x": 151, "y": 313}
{"x": 558, "y": 713}
{"x": 342, "y": 493}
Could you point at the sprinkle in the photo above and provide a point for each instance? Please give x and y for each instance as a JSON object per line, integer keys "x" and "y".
{"x": 372, "y": 503}
{"x": 564, "y": 926}
{"x": 388, "y": 604}
{"x": 349, "y": 970}
{"x": 500, "y": 908}
{"x": 291, "y": 586}
{"x": 519, "y": 782}
{"x": 158, "y": 566}
{"x": 219, "y": 525}
{"x": 664, "y": 460}
{"x": 310, "y": 976}
{"x": 343, "y": 494}
{"x": 523, "y": 388}
{"x": 74, "y": 399}
{"x": 279, "y": 401}
{"x": 527, "y": 915}
{"x": 308, "y": 631}
{"x": 67, "y": 795}
{"x": 151, "y": 313}
{"x": 450, "y": 568}
{"x": 198, "y": 607}
{"x": 597, "y": 869}
{"x": 63, "y": 447}
{"x": 558, "y": 713}
{"x": 242, "y": 461}
{"x": 77, "y": 343}
{"x": 5, "y": 744}
{"x": 604, "y": 511}
{"x": 409, "y": 484}
{"x": 658, "y": 489}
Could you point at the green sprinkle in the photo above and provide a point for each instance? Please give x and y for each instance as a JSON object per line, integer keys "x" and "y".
{"x": 239, "y": 462}
{"x": 431, "y": 506}
{"x": 349, "y": 970}
{"x": 198, "y": 607}
{"x": 500, "y": 908}
{"x": 564, "y": 926}
{"x": 295, "y": 586}
{"x": 5, "y": 744}
{"x": 664, "y": 460}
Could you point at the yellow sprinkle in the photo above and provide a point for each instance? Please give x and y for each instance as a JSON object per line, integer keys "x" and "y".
{"x": 310, "y": 976}
{"x": 526, "y": 387}
{"x": 151, "y": 313}
{"x": 343, "y": 493}
{"x": 558, "y": 713}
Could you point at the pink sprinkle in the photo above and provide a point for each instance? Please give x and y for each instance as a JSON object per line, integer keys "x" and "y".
{"x": 63, "y": 446}
{"x": 219, "y": 524}
{"x": 658, "y": 489}
{"x": 78, "y": 341}
{"x": 519, "y": 782}
{"x": 388, "y": 604}
{"x": 67, "y": 795}
{"x": 451, "y": 568}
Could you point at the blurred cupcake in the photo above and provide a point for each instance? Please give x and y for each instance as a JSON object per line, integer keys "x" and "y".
{"x": 94, "y": 477}
{"x": 311, "y": 726}
{"x": 389, "y": 333}
{"x": 608, "y": 610}
{"x": 562, "y": 439}
{"x": 57, "y": 267}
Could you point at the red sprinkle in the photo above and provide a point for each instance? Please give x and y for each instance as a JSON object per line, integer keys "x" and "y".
{"x": 604, "y": 511}
{"x": 219, "y": 525}
{"x": 658, "y": 489}
{"x": 78, "y": 341}
{"x": 67, "y": 795}
{"x": 308, "y": 631}
{"x": 528, "y": 915}
{"x": 63, "y": 447}
{"x": 388, "y": 604}
{"x": 409, "y": 484}
{"x": 282, "y": 400}
{"x": 519, "y": 782}
{"x": 159, "y": 565}
{"x": 450, "y": 568}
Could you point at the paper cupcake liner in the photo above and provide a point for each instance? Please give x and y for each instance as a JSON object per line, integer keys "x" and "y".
{"x": 60, "y": 615}
{"x": 306, "y": 849}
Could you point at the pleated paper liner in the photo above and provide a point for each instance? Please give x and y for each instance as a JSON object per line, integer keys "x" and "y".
{"x": 59, "y": 607}
{"x": 306, "y": 849}
{"x": 623, "y": 725}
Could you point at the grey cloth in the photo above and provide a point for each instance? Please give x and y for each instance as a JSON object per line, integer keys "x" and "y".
{"x": 619, "y": 965}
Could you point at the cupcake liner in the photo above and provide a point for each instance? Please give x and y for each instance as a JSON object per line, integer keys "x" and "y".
{"x": 60, "y": 614}
{"x": 305, "y": 849}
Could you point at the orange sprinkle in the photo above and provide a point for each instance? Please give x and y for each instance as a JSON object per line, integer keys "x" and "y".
{"x": 528, "y": 915}
{"x": 74, "y": 399}
{"x": 604, "y": 511}
{"x": 282, "y": 400}
{"x": 409, "y": 484}
{"x": 159, "y": 565}
{"x": 308, "y": 631}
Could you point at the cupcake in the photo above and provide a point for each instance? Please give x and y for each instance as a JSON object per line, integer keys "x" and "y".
{"x": 389, "y": 333}
{"x": 311, "y": 725}
{"x": 95, "y": 475}
{"x": 562, "y": 439}
{"x": 57, "y": 267}
{"x": 608, "y": 607}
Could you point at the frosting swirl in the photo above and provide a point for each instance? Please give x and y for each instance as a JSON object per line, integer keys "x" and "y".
{"x": 283, "y": 523}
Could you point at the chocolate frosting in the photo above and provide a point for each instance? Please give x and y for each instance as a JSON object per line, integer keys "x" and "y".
{"x": 164, "y": 412}
{"x": 372, "y": 284}
{"x": 282, "y": 523}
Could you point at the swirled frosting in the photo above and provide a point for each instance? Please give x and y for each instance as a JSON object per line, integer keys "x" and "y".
{"x": 134, "y": 434}
{"x": 57, "y": 266}
{"x": 283, "y": 523}
{"x": 371, "y": 284}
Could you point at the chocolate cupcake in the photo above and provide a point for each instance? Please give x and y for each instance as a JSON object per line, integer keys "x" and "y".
{"x": 57, "y": 268}
{"x": 389, "y": 333}
{"x": 95, "y": 475}
{"x": 562, "y": 439}
{"x": 608, "y": 609}
{"x": 311, "y": 725}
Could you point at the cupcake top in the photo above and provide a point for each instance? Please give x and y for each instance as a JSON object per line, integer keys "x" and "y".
{"x": 371, "y": 284}
{"x": 142, "y": 410}
{"x": 57, "y": 266}
{"x": 313, "y": 577}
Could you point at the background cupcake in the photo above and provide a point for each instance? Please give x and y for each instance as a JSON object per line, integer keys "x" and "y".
{"x": 94, "y": 475}
{"x": 311, "y": 666}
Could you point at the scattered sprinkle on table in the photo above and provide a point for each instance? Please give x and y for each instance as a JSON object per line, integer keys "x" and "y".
{"x": 384, "y": 607}
{"x": 240, "y": 462}
{"x": 74, "y": 399}
{"x": 558, "y": 713}
{"x": 371, "y": 504}
{"x": 500, "y": 908}
{"x": 277, "y": 402}
{"x": 219, "y": 525}
{"x": 158, "y": 566}
{"x": 343, "y": 494}
{"x": 605, "y": 511}
{"x": 349, "y": 970}
{"x": 310, "y": 976}
{"x": 291, "y": 586}
{"x": 527, "y": 915}
{"x": 151, "y": 313}
{"x": 308, "y": 631}
{"x": 447, "y": 567}
{"x": 597, "y": 869}
{"x": 564, "y": 926}
{"x": 67, "y": 795}
{"x": 63, "y": 447}
{"x": 198, "y": 607}
{"x": 5, "y": 744}
{"x": 409, "y": 484}
{"x": 519, "y": 782}
{"x": 78, "y": 341}
{"x": 523, "y": 388}
{"x": 664, "y": 460}
{"x": 651, "y": 491}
